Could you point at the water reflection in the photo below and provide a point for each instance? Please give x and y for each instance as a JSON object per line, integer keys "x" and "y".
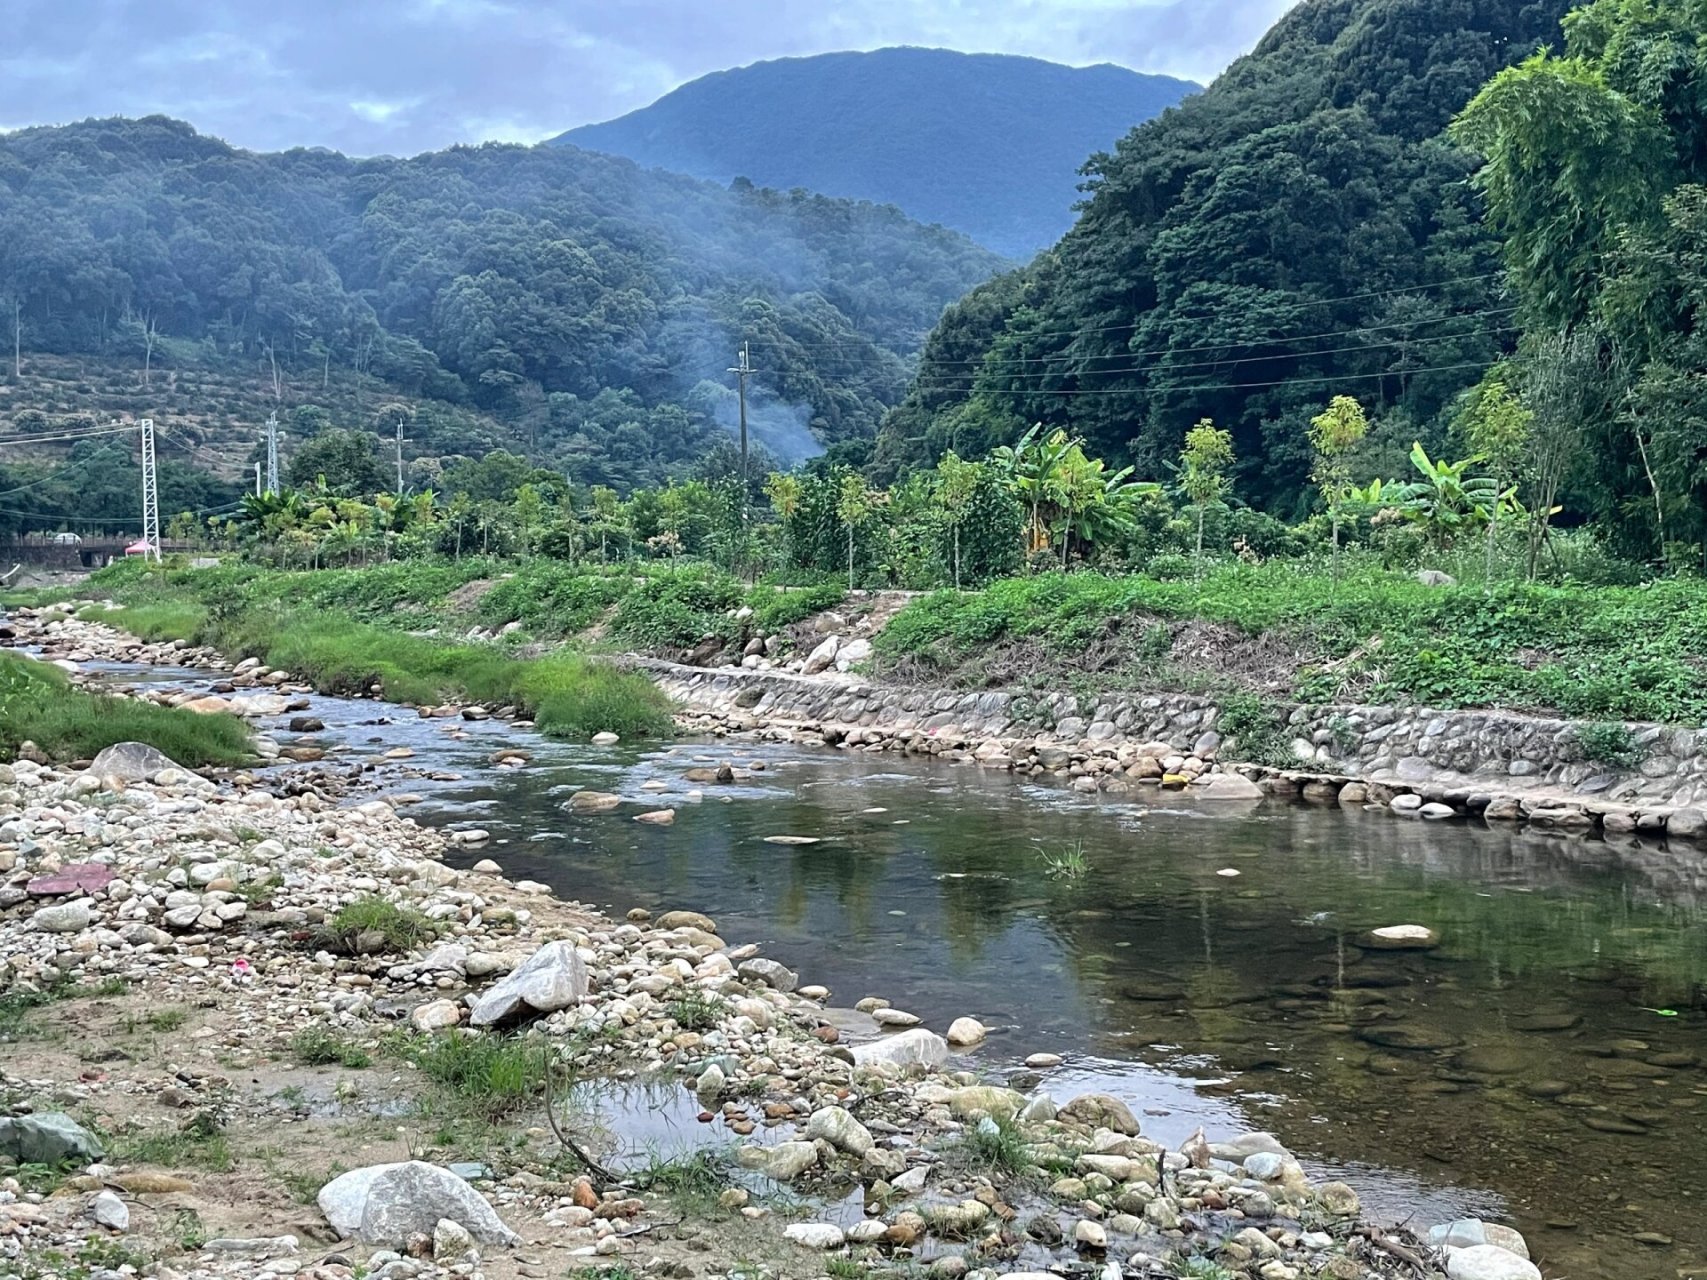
{"x": 1529, "y": 1059}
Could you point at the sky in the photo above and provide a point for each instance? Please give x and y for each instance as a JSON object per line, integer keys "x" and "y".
{"x": 398, "y": 77}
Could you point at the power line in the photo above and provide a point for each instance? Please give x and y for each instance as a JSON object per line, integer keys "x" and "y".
{"x": 78, "y": 435}
{"x": 1186, "y": 389}
{"x": 1302, "y": 305}
{"x": 943, "y": 382}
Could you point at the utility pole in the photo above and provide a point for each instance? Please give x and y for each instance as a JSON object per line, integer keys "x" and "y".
{"x": 272, "y": 453}
{"x": 742, "y": 372}
{"x": 150, "y": 492}
{"x": 400, "y": 455}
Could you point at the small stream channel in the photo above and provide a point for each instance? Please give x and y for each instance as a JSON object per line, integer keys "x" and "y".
{"x": 1547, "y": 1063}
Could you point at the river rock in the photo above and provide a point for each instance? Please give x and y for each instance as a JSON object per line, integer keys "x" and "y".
{"x": 822, "y": 658}
{"x": 48, "y": 1137}
{"x": 111, "y": 1212}
{"x": 386, "y": 1204}
{"x": 772, "y": 973}
{"x": 837, "y": 1126}
{"x": 814, "y": 1235}
{"x": 1100, "y": 1111}
{"x": 988, "y": 1099}
{"x": 1467, "y": 1233}
{"x": 437, "y": 1015}
{"x": 1241, "y": 1148}
{"x": 895, "y": 1018}
{"x": 452, "y": 1243}
{"x": 605, "y": 739}
{"x": 1687, "y": 824}
{"x": 62, "y": 917}
{"x": 593, "y": 802}
{"x": 657, "y": 817}
{"x": 1222, "y": 788}
{"x": 131, "y": 762}
{"x": 686, "y": 920}
{"x": 781, "y": 1163}
{"x": 1489, "y": 1262}
{"x": 554, "y": 977}
{"x": 915, "y": 1047}
{"x": 1400, "y": 937}
{"x": 966, "y": 1031}
{"x": 1090, "y": 1235}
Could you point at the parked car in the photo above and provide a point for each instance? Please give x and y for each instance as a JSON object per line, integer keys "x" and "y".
{"x": 67, "y": 539}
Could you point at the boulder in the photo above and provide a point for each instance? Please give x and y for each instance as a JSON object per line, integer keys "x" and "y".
{"x": 782, "y": 1163}
{"x": 1100, "y": 1111}
{"x": 814, "y": 1235}
{"x": 131, "y": 762}
{"x": 62, "y": 917}
{"x": 1468, "y": 1233}
{"x": 553, "y": 978}
{"x": 852, "y": 652}
{"x": 593, "y": 802}
{"x": 965, "y": 1031}
{"x": 436, "y": 1015}
{"x": 1687, "y": 824}
{"x": 836, "y": 1126}
{"x": 772, "y": 973}
{"x": 915, "y": 1047}
{"x": 991, "y": 1100}
{"x": 1222, "y": 788}
{"x": 657, "y": 817}
{"x": 48, "y": 1137}
{"x": 686, "y": 920}
{"x": 1435, "y": 578}
{"x": 822, "y": 658}
{"x": 605, "y": 739}
{"x": 386, "y": 1204}
{"x": 111, "y": 1212}
{"x": 1489, "y": 1262}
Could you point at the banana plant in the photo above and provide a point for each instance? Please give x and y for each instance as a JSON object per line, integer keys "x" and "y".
{"x": 1447, "y": 500}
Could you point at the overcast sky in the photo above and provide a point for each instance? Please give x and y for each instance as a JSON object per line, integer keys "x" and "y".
{"x": 403, "y": 76}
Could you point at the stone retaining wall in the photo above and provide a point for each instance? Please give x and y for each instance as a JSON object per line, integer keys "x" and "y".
{"x": 1495, "y": 764}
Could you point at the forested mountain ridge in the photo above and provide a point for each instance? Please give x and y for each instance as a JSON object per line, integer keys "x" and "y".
{"x": 987, "y": 144}
{"x": 1300, "y": 229}
{"x": 590, "y": 305}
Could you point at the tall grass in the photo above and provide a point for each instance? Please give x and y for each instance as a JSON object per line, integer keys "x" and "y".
{"x": 38, "y": 704}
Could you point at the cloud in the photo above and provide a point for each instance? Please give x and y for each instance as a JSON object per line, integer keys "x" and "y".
{"x": 400, "y": 76}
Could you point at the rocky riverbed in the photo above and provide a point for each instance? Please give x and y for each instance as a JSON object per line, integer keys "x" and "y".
{"x": 251, "y": 1031}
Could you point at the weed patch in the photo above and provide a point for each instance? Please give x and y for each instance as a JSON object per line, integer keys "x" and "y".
{"x": 373, "y": 923}
{"x": 320, "y": 1046}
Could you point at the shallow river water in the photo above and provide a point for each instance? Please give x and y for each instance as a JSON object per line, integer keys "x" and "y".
{"x": 1546, "y": 1064}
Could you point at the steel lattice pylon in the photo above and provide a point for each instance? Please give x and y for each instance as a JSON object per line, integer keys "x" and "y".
{"x": 150, "y": 491}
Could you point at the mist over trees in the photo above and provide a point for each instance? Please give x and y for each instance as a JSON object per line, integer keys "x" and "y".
{"x": 589, "y": 304}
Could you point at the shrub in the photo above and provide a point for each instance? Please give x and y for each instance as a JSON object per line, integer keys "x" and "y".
{"x": 1608, "y": 744}
{"x": 1254, "y": 730}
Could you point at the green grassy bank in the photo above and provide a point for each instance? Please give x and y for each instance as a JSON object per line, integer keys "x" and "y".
{"x": 38, "y": 704}
{"x": 312, "y": 624}
{"x": 1628, "y": 653}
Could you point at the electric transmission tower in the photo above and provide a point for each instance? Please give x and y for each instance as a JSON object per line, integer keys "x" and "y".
{"x": 272, "y": 453}
{"x": 150, "y": 492}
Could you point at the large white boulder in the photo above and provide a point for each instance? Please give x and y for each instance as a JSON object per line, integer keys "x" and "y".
{"x": 386, "y": 1204}
{"x": 554, "y": 977}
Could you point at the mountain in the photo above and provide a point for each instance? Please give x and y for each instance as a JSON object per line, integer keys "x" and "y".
{"x": 1301, "y": 229}
{"x": 591, "y": 307}
{"x": 987, "y": 144}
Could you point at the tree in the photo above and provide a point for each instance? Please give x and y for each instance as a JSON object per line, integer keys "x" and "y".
{"x": 1334, "y": 434}
{"x": 1565, "y": 387}
{"x": 347, "y": 460}
{"x": 529, "y": 508}
{"x": 854, "y": 506}
{"x": 1497, "y": 426}
{"x": 783, "y": 490}
{"x": 1203, "y": 467}
{"x": 956, "y": 483}
{"x": 1033, "y": 465}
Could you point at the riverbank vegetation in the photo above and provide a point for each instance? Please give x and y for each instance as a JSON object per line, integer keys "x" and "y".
{"x": 38, "y": 704}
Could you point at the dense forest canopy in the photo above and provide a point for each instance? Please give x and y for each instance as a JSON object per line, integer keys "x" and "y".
{"x": 984, "y": 143}
{"x": 1597, "y": 178}
{"x": 594, "y": 306}
{"x": 1303, "y": 228}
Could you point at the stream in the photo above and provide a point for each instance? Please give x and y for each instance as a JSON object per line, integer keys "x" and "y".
{"x": 1546, "y": 1064}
